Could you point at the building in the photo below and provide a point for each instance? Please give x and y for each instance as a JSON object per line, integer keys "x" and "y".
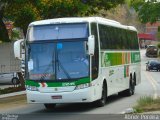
{"x": 153, "y": 28}
{"x": 151, "y": 34}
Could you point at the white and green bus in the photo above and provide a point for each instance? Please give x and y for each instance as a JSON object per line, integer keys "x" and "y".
{"x": 80, "y": 60}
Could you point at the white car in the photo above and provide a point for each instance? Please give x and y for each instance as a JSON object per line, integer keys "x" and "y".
{"x": 9, "y": 78}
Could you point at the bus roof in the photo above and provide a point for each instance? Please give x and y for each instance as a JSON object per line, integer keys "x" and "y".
{"x": 99, "y": 20}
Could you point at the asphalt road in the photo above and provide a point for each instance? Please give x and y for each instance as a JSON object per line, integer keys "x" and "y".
{"x": 150, "y": 85}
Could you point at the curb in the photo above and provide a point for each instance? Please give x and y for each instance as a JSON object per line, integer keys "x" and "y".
{"x": 12, "y": 94}
{"x": 131, "y": 111}
{"x": 152, "y": 112}
{"x": 128, "y": 111}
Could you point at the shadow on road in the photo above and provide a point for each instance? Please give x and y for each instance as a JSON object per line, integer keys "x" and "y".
{"x": 79, "y": 108}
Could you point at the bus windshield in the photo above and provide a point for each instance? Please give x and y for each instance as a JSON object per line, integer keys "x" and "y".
{"x": 58, "y": 60}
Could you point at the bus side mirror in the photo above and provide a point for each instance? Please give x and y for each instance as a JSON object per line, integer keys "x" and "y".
{"x": 18, "y": 46}
{"x": 91, "y": 44}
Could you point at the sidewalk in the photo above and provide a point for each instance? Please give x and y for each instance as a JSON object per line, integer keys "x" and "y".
{"x": 131, "y": 111}
{"x": 12, "y": 94}
{"x": 152, "y": 112}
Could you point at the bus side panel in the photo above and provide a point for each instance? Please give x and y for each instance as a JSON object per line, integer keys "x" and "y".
{"x": 116, "y": 68}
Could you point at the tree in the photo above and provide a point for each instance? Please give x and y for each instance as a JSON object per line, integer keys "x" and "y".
{"x": 62, "y": 8}
{"x": 15, "y": 34}
{"x": 125, "y": 15}
{"x": 68, "y": 8}
{"x": 3, "y": 31}
{"x": 148, "y": 11}
{"x": 158, "y": 34}
{"x": 158, "y": 45}
{"x": 22, "y": 12}
{"x": 96, "y": 5}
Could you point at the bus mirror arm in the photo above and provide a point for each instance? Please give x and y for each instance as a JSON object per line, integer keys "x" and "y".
{"x": 91, "y": 45}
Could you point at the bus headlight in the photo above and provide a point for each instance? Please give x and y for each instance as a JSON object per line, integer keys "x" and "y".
{"x": 82, "y": 86}
{"x": 31, "y": 88}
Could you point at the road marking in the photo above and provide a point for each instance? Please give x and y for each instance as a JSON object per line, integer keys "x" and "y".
{"x": 153, "y": 83}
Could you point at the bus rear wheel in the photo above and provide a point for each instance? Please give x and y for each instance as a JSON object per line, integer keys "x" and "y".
{"x": 50, "y": 106}
{"x": 131, "y": 89}
{"x": 101, "y": 102}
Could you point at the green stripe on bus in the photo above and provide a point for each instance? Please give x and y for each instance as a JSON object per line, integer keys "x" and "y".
{"x": 59, "y": 84}
{"x": 119, "y": 58}
{"x": 82, "y": 81}
{"x": 31, "y": 83}
{"x": 135, "y": 57}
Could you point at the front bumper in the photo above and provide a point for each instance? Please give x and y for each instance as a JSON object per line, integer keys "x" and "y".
{"x": 76, "y": 96}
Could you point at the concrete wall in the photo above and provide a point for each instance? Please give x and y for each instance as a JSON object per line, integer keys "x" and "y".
{"x": 8, "y": 63}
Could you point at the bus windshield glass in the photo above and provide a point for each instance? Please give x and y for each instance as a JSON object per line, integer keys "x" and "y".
{"x": 58, "y": 31}
{"x": 58, "y": 60}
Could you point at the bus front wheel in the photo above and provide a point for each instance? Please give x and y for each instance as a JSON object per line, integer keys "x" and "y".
{"x": 50, "y": 106}
{"x": 101, "y": 102}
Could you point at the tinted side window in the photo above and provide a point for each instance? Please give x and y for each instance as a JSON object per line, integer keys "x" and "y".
{"x": 135, "y": 40}
{"x": 104, "y": 36}
{"x": 117, "y": 38}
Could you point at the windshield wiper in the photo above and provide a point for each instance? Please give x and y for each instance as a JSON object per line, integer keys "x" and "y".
{"x": 59, "y": 64}
{"x": 45, "y": 72}
{"x": 51, "y": 64}
{"x": 64, "y": 70}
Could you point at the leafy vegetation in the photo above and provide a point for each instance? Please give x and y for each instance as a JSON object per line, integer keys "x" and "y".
{"x": 158, "y": 34}
{"x": 147, "y": 103}
{"x": 15, "y": 34}
{"x": 22, "y": 12}
{"x": 148, "y": 11}
{"x": 158, "y": 45}
{"x": 3, "y": 31}
{"x": 123, "y": 14}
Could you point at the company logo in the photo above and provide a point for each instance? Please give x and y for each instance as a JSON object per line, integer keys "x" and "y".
{"x": 55, "y": 89}
{"x": 68, "y": 84}
{"x": 111, "y": 72}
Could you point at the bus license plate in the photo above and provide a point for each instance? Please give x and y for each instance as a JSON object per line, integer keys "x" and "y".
{"x": 57, "y": 97}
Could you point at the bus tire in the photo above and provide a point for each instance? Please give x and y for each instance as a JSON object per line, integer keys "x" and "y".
{"x": 50, "y": 106}
{"x": 122, "y": 93}
{"x": 101, "y": 102}
{"x": 134, "y": 79}
{"x": 131, "y": 90}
